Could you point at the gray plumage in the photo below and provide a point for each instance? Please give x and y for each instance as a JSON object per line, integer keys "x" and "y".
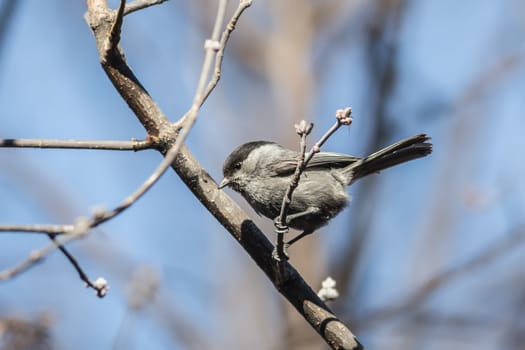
{"x": 261, "y": 171}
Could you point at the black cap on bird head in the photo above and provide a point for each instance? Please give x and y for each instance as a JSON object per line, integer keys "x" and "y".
{"x": 235, "y": 159}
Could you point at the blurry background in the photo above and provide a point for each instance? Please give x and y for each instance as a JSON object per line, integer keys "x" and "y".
{"x": 428, "y": 255}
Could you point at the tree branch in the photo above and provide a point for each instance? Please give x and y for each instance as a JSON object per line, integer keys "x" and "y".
{"x": 46, "y": 229}
{"x": 133, "y": 145}
{"x": 281, "y": 224}
{"x": 140, "y": 5}
{"x": 52, "y": 231}
{"x": 100, "y": 288}
{"x": 343, "y": 117}
{"x": 219, "y": 47}
{"x": 255, "y": 243}
{"x": 211, "y": 46}
{"x": 76, "y": 231}
{"x": 106, "y": 25}
{"x": 221, "y": 206}
{"x": 243, "y": 5}
{"x": 71, "y": 232}
{"x": 101, "y": 19}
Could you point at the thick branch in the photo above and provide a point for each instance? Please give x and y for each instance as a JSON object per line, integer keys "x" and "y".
{"x": 225, "y": 210}
{"x": 102, "y": 216}
{"x": 255, "y": 243}
{"x": 101, "y": 20}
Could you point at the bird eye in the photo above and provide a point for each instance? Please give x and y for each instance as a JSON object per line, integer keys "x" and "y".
{"x": 237, "y": 166}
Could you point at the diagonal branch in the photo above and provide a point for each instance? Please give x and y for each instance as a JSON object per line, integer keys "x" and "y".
{"x": 220, "y": 205}
{"x": 51, "y": 231}
{"x": 211, "y": 46}
{"x": 243, "y": 5}
{"x": 71, "y": 232}
{"x": 102, "y": 216}
{"x": 77, "y": 230}
{"x": 220, "y": 48}
{"x": 113, "y": 38}
{"x": 100, "y": 289}
{"x": 101, "y": 20}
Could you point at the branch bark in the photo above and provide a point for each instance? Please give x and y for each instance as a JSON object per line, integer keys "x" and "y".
{"x": 140, "y": 5}
{"x": 220, "y": 205}
{"x": 133, "y": 145}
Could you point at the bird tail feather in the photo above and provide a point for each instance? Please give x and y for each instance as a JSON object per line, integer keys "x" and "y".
{"x": 403, "y": 151}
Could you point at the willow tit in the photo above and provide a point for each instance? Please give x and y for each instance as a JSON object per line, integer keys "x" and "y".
{"x": 261, "y": 171}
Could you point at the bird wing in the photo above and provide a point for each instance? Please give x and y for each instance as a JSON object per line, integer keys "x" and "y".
{"x": 322, "y": 160}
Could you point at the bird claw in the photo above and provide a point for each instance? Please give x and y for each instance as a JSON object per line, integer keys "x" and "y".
{"x": 279, "y": 227}
{"x": 280, "y": 254}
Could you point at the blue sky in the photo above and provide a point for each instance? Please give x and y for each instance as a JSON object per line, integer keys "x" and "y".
{"x": 460, "y": 78}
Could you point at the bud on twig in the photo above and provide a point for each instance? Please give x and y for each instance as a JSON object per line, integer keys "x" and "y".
{"x": 344, "y": 116}
{"x": 328, "y": 290}
{"x": 303, "y": 128}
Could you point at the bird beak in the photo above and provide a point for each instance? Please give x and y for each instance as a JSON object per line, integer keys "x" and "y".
{"x": 225, "y": 182}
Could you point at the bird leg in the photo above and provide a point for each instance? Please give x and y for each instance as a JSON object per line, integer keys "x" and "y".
{"x": 298, "y": 237}
{"x": 311, "y": 210}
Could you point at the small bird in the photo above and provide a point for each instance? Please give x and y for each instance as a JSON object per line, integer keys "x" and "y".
{"x": 261, "y": 172}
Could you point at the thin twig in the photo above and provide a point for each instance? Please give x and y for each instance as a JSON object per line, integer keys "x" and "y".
{"x": 133, "y": 145}
{"x": 281, "y": 225}
{"x": 230, "y": 27}
{"x": 297, "y": 291}
{"x": 79, "y": 230}
{"x": 33, "y": 258}
{"x": 101, "y": 290}
{"x": 211, "y": 46}
{"x": 343, "y": 117}
{"x": 203, "y": 186}
{"x": 36, "y": 256}
{"x": 102, "y": 216}
{"x": 51, "y": 231}
{"x": 113, "y": 38}
{"x": 220, "y": 47}
{"x": 188, "y": 123}
{"x": 140, "y": 5}
{"x": 46, "y": 229}
{"x": 84, "y": 226}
